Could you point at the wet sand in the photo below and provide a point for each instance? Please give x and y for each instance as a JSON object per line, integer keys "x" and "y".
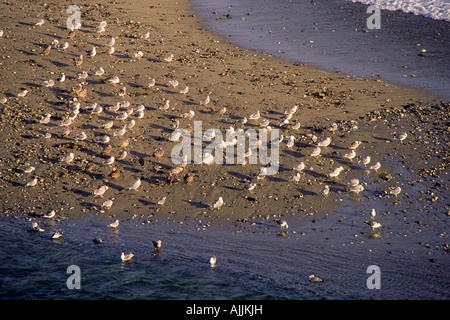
{"x": 244, "y": 82}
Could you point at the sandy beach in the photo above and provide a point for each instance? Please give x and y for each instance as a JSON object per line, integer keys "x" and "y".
{"x": 239, "y": 80}
{"x": 239, "y": 83}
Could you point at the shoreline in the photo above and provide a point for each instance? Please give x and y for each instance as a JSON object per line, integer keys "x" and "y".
{"x": 239, "y": 79}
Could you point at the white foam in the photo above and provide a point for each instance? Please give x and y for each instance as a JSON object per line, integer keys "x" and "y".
{"x": 435, "y": 9}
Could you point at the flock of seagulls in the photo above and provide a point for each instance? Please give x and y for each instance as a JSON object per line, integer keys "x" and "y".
{"x": 125, "y": 114}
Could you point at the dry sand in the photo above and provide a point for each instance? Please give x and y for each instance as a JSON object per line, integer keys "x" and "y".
{"x": 238, "y": 79}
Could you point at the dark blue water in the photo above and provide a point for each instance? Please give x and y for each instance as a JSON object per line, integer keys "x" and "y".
{"x": 333, "y": 35}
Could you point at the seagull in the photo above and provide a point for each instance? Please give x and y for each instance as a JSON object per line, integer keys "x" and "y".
{"x": 212, "y": 261}
{"x": 208, "y": 159}
{"x": 114, "y": 224}
{"x": 68, "y": 158}
{"x": 151, "y": 83}
{"x": 354, "y": 145}
{"x": 65, "y": 45}
{"x": 396, "y": 191}
{"x": 122, "y": 155}
{"x": 123, "y": 116}
{"x": 79, "y": 61}
{"x": 315, "y": 152}
{"x": 166, "y": 106}
{"x": 22, "y": 93}
{"x": 185, "y": 90}
{"x": 366, "y": 161}
{"x": 102, "y": 139}
{"x": 373, "y": 213}
{"x": 250, "y": 186}
{"x": 373, "y": 224}
{"x": 39, "y": 23}
{"x": 375, "y": 167}
{"x": 99, "y": 72}
{"x": 29, "y": 169}
{"x": 138, "y": 55}
{"x": 126, "y": 257}
{"x": 120, "y": 132}
{"x": 216, "y": 204}
{"x": 109, "y": 161}
{"x": 299, "y": 167}
{"x": 107, "y": 204}
{"x": 135, "y": 185}
{"x": 357, "y": 189}
{"x": 205, "y": 101}
{"x": 326, "y": 190}
{"x": 350, "y": 155}
{"x": 283, "y": 224}
{"x": 353, "y": 183}
{"x": 296, "y": 177}
{"x": 111, "y": 42}
{"x": 81, "y": 136}
{"x": 46, "y": 119}
{"x": 56, "y": 235}
{"x": 296, "y": 126}
{"x": 162, "y": 201}
{"x": 168, "y": 58}
{"x": 92, "y": 53}
{"x": 159, "y": 152}
{"x": 35, "y": 227}
{"x": 62, "y": 77}
{"x": 173, "y": 83}
{"x": 49, "y": 83}
{"x": 50, "y": 214}
{"x": 402, "y": 136}
{"x": 111, "y": 50}
{"x": 290, "y": 142}
{"x": 333, "y": 127}
{"x": 157, "y": 245}
{"x": 100, "y": 191}
{"x": 314, "y": 279}
{"x": 114, "y": 80}
{"x": 324, "y": 143}
{"x": 264, "y": 123}
{"x": 254, "y": 116}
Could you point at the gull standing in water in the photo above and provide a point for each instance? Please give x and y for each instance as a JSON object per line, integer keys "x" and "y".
{"x": 283, "y": 224}
{"x": 212, "y": 261}
{"x": 157, "y": 245}
{"x": 114, "y": 224}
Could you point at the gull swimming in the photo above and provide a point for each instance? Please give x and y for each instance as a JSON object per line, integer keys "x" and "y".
{"x": 35, "y": 227}
{"x": 314, "y": 279}
{"x": 126, "y": 257}
{"x": 56, "y": 235}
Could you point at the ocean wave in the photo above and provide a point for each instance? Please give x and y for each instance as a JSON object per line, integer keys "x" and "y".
{"x": 435, "y": 9}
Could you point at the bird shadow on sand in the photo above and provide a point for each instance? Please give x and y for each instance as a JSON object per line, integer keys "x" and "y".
{"x": 306, "y": 192}
{"x": 197, "y": 204}
{"x": 82, "y": 193}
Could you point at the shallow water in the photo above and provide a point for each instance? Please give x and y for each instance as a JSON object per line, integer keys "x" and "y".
{"x": 333, "y": 35}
